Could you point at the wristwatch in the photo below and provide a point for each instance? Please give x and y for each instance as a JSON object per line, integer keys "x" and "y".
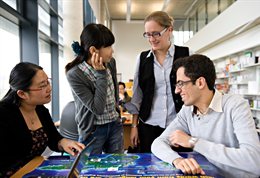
{"x": 133, "y": 125}
{"x": 193, "y": 141}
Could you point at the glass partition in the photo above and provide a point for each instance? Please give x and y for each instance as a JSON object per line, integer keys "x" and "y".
{"x": 10, "y": 51}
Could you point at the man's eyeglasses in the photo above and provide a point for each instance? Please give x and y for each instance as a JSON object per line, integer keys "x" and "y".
{"x": 42, "y": 86}
{"x": 180, "y": 83}
{"x": 154, "y": 34}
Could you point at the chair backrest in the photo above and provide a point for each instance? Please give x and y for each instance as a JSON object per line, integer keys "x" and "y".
{"x": 68, "y": 126}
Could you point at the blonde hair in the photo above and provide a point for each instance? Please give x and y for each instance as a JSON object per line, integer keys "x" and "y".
{"x": 161, "y": 17}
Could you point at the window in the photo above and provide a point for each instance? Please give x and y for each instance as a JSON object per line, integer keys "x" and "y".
{"x": 45, "y": 62}
{"x": 225, "y": 4}
{"x": 48, "y": 1}
{"x": 192, "y": 24}
{"x": 60, "y": 32}
{"x": 201, "y": 16}
{"x": 10, "y": 50}
{"x": 60, "y": 8}
{"x": 65, "y": 91}
{"x": 44, "y": 21}
{"x": 17, "y": 40}
{"x": 212, "y": 9}
{"x": 178, "y": 37}
{"x": 11, "y": 3}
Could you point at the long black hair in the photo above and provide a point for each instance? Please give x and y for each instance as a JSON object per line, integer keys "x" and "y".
{"x": 96, "y": 35}
{"x": 20, "y": 79}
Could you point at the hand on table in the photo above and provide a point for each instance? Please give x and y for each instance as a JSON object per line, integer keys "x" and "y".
{"x": 188, "y": 166}
{"x": 70, "y": 146}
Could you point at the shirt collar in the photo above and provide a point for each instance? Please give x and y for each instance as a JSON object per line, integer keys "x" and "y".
{"x": 88, "y": 69}
{"x": 170, "y": 51}
{"x": 215, "y": 104}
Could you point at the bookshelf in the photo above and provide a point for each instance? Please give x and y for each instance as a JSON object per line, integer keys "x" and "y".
{"x": 239, "y": 73}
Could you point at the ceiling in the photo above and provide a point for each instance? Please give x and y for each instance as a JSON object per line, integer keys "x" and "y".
{"x": 132, "y": 10}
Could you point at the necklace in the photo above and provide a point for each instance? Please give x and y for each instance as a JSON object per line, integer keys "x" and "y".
{"x": 29, "y": 118}
{"x": 32, "y": 121}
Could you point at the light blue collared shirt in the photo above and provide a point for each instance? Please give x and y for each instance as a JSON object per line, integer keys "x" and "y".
{"x": 163, "y": 108}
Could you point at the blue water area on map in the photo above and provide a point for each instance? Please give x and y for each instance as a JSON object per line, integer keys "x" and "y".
{"x": 120, "y": 165}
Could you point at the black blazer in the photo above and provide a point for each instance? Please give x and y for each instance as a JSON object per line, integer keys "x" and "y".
{"x": 15, "y": 137}
{"x": 147, "y": 81}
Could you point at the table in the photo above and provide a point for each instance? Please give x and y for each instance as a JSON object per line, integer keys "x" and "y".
{"x": 37, "y": 161}
{"x": 122, "y": 165}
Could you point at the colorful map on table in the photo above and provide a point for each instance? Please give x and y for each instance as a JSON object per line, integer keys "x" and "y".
{"x": 121, "y": 165}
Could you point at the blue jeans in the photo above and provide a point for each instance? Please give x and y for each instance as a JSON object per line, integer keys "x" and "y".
{"x": 109, "y": 138}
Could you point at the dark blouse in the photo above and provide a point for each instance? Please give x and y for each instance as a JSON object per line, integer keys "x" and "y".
{"x": 40, "y": 141}
{"x": 39, "y": 144}
{"x": 20, "y": 144}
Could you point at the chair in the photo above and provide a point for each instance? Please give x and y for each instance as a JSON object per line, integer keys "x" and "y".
{"x": 68, "y": 126}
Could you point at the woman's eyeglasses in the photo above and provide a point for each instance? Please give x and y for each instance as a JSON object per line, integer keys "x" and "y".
{"x": 154, "y": 34}
{"x": 42, "y": 86}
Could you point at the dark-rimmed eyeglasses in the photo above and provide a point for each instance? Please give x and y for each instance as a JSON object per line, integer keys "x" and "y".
{"x": 180, "y": 83}
{"x": 42, "y": 86}
{"x": 154, "y": 34}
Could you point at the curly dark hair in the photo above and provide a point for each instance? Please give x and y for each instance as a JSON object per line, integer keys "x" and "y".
{"x": 196, "y": 66}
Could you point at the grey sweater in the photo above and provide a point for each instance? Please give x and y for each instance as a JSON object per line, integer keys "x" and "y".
{"x": 227, "y": 139}
{"x": 90, "y": 99}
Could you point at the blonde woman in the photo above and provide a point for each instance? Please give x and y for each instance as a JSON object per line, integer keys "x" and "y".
{"x": 154, "y": 82}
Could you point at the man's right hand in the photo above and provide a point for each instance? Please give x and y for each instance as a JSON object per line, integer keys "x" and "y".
{"x": 188, "y": 166}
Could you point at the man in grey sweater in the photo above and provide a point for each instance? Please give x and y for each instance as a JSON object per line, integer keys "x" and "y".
{"x": 218, "y": 126}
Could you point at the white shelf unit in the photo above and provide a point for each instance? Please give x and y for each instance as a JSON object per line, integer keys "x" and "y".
{"x": 239, "y": 73}
{"x": 221, "y": 44}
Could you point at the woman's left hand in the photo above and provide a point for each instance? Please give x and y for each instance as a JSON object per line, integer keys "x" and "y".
{"x": 97, "y": 62}
{"x": 70, "y": 146}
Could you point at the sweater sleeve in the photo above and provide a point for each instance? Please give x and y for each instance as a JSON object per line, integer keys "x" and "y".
{"x": 246, "y": 156}
{"x": 162, "y": 142}
{"x": 137, "y": 92}
{"x": 92, "y": 97}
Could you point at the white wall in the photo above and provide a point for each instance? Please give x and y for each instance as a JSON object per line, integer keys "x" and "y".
{"x": 128, "y": 45}
{"x": 72, "y": 25}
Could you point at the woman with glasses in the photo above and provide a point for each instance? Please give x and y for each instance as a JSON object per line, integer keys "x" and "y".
{"x": 154, "y": 99}
{"x": 26, "y": 127}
